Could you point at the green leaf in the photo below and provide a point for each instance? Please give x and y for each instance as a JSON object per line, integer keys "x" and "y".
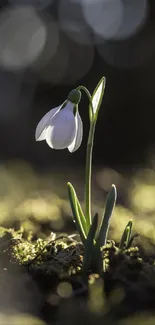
{"x": 97, "y": 96}
{"x": 124, "y": 243}
{"x": 110, "y": 203}
{"x": 96, "y": 259}
{"x": 89, "y": 245}
{"x": 82, "y": 217}
{"x": 77, "y": 212}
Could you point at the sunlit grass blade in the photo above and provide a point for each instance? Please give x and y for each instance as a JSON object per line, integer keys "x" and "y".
{"x": 78, "y": 217}
{"x": 124, "y": 243}
{"x": 110, "y": 203}
{"x": 89, "y": 244}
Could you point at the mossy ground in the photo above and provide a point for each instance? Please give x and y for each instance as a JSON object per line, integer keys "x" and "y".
{"x": 126, "y": 289}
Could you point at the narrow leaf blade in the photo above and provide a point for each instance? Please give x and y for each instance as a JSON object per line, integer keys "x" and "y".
{"x": 89, "y": 243}
{"x": 75, "y": 211}
{"x": 104, "y": 227}
{"x": 126, "y": 236}
{"x": 82, "y": 217}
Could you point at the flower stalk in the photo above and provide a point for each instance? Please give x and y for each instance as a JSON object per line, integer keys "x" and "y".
{"x": 62, "y": 128}
{"x": 88, "y": 173}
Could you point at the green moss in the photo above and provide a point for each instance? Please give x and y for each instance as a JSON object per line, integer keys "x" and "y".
{"x": 47, "y": 256}
{"x": 127, "y": 285}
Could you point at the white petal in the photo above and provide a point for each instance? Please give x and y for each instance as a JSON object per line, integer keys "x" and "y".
{"x": 79, "y": 134}
{"x": 61, "y": 128}
{"x": 40, "y": 133}
{"x": 97, "y": 95}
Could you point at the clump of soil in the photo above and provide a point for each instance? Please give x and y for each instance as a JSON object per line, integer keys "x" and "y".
{"x": 43, "y": 278}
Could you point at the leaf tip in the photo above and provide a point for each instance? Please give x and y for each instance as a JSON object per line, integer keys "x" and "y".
{"x": 103, "y": 79}
{"x": 130, "y": 223}
{"x": 114, "y": 189}
{"x": 70, "y": 186}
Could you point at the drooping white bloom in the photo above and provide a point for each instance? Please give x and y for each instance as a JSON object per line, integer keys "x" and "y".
{"x": 62, "y": 126}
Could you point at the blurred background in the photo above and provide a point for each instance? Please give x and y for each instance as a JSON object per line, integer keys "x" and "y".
{"x": 47, "y": 48}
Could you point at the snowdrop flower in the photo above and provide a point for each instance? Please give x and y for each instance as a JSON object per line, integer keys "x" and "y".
{"x": 62, "y": 126}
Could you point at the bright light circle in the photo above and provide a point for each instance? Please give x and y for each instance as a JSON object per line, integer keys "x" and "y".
{"x": 103, "y": 16}
{"x": 23, "y": 37}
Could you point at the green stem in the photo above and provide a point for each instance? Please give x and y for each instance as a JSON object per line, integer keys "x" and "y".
{"x": 88, "y": 169}
{"x": 90, "y": 100}
{"x": 88, "y": 172}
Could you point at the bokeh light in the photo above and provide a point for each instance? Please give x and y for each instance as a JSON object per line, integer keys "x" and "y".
{"x": 143, "y": 198}
{"x": 39, "y": 203}
{"x": 134, "y": 16}
{"x": 96, "y": 302}
{"x": 115, "y": 19}
{"x": 107, "y": 176}
{"x": 23, "y": 37}
{"x": 104, "y": 16}
{"x": 130, "y": 53}
{"x": 19, "y": 318}
{"x": 30, "y": 201}
{"x": 64, "y": 290}
{"x": 143, "y": 192}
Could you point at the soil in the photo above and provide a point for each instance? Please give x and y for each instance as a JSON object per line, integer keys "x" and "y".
{"x": 42, "y": 281}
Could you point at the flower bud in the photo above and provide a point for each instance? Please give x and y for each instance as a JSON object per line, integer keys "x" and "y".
{"x": 74, "y": 96}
